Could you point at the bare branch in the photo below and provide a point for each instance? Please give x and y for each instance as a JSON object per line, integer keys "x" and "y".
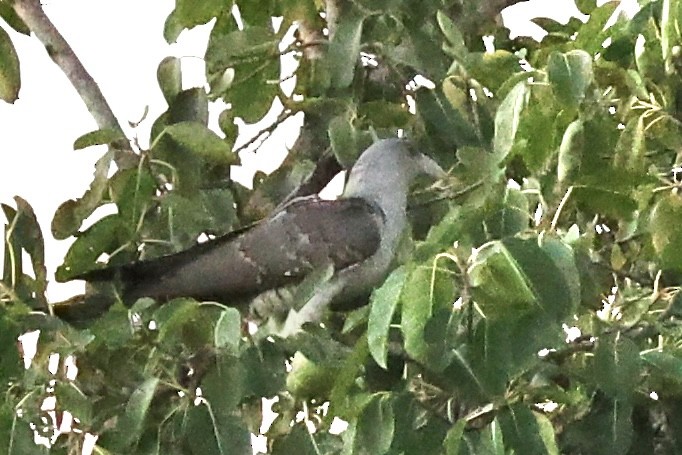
{"x": 31, "y": 12}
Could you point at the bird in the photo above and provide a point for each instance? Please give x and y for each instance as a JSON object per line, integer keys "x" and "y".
{"x": 350, "y": 242}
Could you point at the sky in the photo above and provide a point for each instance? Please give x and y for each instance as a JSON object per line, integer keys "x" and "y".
{"x": 120, "y": 43}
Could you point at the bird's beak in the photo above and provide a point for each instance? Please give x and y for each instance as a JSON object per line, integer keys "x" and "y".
{"x": 430, "y": 167}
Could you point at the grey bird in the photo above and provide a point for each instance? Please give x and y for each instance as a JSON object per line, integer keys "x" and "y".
{"x": 354, "y": 237}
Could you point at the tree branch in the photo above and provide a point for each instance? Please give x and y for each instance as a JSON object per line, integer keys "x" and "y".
{"x": 31, "y": 12}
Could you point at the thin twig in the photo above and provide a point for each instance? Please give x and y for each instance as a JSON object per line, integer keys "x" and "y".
{"x": 265, "y": 131}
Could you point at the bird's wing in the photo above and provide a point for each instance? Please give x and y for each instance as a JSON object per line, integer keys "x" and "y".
{"x": 282, "y": 249}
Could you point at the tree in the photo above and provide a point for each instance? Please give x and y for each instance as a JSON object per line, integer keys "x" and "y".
{"x": 536, "y": 308}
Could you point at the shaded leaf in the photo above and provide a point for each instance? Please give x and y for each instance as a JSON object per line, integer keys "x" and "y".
{"x": 570, "y": 75}
{"x": 344, "y": 47}
{"x": 189, "y": 105}
{"x": 202, "y": 141}
{"x": 228, "y": 330}
{"x": 212, "y": 431}
{"x": 492, "y": 69}
{"x": 445, "y": 124}
{"x": 131, "y": 424}
{"x": 453, "y": 440}
{"x": 525, "y": 432}
{"x": 383, "y": 304}
{"x": 375, "y": 426}
{"x": 616, "y": 366}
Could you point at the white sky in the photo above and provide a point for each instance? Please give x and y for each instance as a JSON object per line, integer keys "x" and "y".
{"x": 120, "y": 43}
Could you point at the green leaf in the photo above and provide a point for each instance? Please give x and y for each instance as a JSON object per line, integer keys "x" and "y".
{"x": 524, "y": 432}
{"x": 298, "y": 441}
{"x": 669, "y": 365}
{"x": 175, "y": 319}
{"x": 342, "y": 137}
{"x": 665, "y": 233}
{"x": 189, "y": 105}
{"x": 384, "y": 114}
{"x": 23, "y": 233}
{"x": 13, "y": 20}
{"x": 133, "y": 191}
{"x": 375, "y": 426}
{"x": 443, "y": 122}
{"x": 606, "y": 201}
{"x": 10, "y": 78}
{"x": 670, "y": 35}
{"x": 169, "y": 76}
{"x": 383, "y": 304}
{"x": 205, "y": 210}
{"x": 586, "y": 6}
{"x": 254, "y": 56}
{"x": 224, "y": 386}
{"x": 570, "y": 75}
{"x": 547, "y": 433}
{"x": 490, "y": 357}
{"x": 507, "y": 119}
{"x": 266, "y": 371}
{"x": 606, "y": 430}
{"x": 130, "y": 426}
{"x": 203, "y": 142}
{"x": 457, "y": 46}
{"x": 311, "y": 380}
{"x": 211, "y": 431}
{"x": 498, "y": 283}
{"x": 516, "y": 276}
{"x": 98, "y": 137}
{"x": 70, "y": 215}
{"x": 594, "y": 32}
{"x": 227, "y": 125}
{"x": 561, "y": 254}
{"x": 512, "y": 217}
{"x": 344, "y": 48}
{"x": 453, "y": 439}
{"x": 11, "y": 367}
{"x": 537, "y": 133}
{"x": 616, "y": 366}
{"x": 416, "y": 306}
{"x": 71, "y": 398}
{"x": 228, "y": 330}
{"x": 190, "y": 13}
{"x": 16, "y": 437}
{"x": 571, "y": 152}
{"x": 104, "y": 236}
{"x": 252, "y": 98}
{"x": 493, "y": 69}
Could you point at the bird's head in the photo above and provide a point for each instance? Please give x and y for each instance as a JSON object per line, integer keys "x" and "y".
{"x": 389, "y": 165}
